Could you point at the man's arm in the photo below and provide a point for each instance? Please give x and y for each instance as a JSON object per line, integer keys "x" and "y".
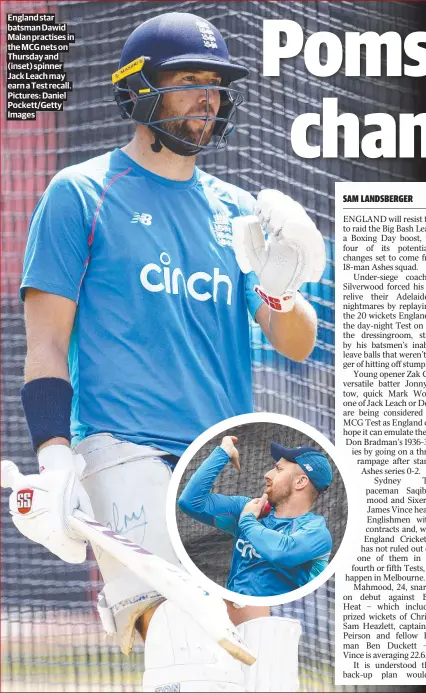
{"x": 55, "y": 263}
{"x": 292, "y": 334}
{"x": 286, "y": 550}
{"x": 48, "y": 322}
{"x": 46, "y": 398}
{"x": 212, "y": 509}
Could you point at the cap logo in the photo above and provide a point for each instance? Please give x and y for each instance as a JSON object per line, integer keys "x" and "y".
{"x": 308, "y": 467}
{"x": 207, "y": 34}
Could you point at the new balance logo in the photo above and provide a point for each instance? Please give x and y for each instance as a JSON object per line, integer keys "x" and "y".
{"x": 145, "y": 219}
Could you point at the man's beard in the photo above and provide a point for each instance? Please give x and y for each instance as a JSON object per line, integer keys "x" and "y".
{"x": 276, "y": 496}
{"x": 181, "y": 129}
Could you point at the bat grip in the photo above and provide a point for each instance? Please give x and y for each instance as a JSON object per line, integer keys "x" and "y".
{"x": 75, "y": 519}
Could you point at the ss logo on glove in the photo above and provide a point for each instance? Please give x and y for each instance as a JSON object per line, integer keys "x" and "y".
{"x": 24, "y": 500}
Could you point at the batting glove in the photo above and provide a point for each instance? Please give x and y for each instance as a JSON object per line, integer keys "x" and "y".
{"x": 40, "y": 508}
{"x": 293, "y": 252}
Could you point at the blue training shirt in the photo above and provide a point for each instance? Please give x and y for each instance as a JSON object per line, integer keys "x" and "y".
{"x": 160, "y": 346}
{"x": 271, "y": 556}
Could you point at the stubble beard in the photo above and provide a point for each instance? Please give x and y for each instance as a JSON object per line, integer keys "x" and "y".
{"x": 275, "y": 496}
{"x": 182, "y": 128}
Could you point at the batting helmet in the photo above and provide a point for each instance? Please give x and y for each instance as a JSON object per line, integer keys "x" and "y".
{"x": 176, "y": 41}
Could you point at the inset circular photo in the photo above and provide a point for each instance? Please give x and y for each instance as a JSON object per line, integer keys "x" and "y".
{"x": 260, "y": 510}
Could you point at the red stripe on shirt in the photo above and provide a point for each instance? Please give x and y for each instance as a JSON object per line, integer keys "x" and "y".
{"x": 95, "y": 219}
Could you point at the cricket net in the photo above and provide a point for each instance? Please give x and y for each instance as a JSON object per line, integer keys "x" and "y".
{"x": 51, "y": 638}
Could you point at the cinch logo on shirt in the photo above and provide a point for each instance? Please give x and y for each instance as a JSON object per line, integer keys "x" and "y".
{"x": 245, "y": 548}
{"x": 200, "y": 285}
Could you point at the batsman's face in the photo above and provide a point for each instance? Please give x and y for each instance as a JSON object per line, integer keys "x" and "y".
{"x": 280, "y": 481}
{"x": 193, "y": 102}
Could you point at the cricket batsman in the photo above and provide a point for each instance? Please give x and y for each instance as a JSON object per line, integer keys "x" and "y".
{"x": 278, "y": 551}
{"x": 139, "y": 275}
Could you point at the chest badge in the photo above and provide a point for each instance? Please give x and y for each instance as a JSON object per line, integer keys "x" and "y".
{"x": 222, "y": 228}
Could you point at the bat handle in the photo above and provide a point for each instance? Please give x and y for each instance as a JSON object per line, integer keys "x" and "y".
{"x": 10, "y": 474}
{"x": 77, "y": 518}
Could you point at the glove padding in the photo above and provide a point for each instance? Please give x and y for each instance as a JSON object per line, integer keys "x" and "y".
{"x": 293, "y": 253}
{"x": 40, "y": 508}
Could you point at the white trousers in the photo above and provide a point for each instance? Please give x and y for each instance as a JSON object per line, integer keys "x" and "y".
{"x": 127, "y": 485}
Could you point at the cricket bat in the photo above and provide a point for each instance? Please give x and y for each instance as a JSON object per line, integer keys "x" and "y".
{"x": 208, "y": 610}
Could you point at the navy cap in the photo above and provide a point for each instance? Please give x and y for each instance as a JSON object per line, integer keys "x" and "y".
{"x": 179, "y": 40}
{"x": 314, "y": 463}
